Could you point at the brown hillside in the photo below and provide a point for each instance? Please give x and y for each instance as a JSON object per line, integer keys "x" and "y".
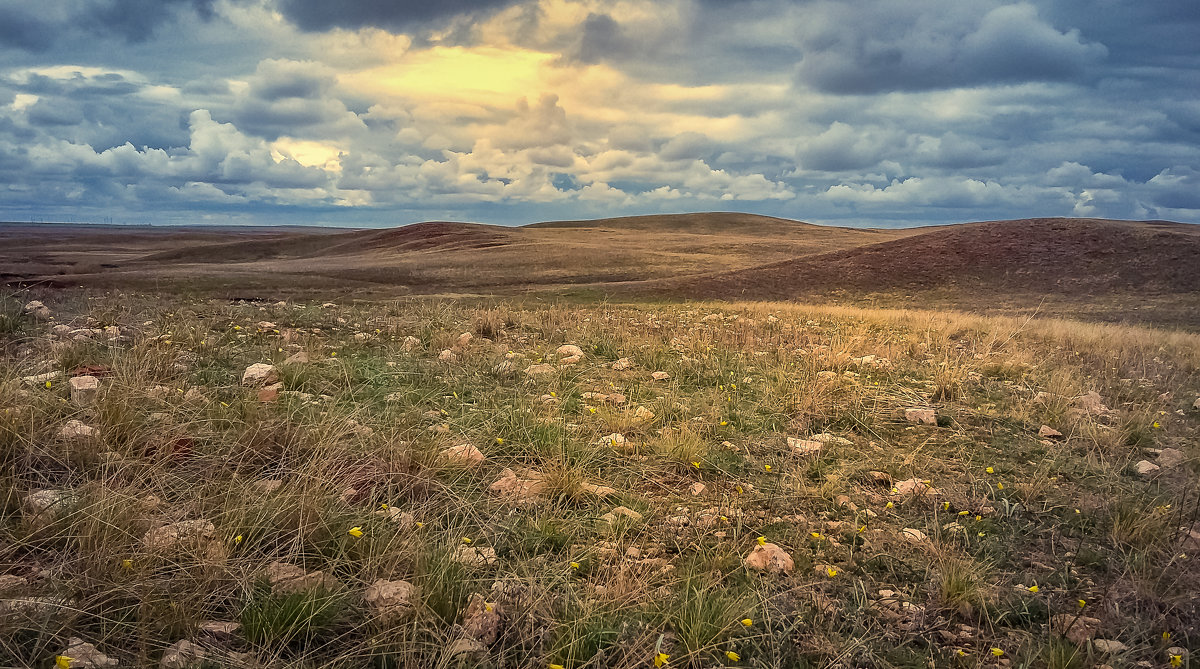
{"x": 1038, "y": 255}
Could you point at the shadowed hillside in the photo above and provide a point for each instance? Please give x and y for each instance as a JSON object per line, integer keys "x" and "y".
{"x": 1041, "y": 255}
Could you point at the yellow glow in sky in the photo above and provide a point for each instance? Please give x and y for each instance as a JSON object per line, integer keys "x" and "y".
{"x": 307, "y": 153}
{"x": 487, "y": 75}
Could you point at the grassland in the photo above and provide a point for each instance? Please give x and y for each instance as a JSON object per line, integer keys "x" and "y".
{"x": 190, "y": 527}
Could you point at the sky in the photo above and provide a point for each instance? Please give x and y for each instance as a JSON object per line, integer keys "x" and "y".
{"x": 387, "y": 112}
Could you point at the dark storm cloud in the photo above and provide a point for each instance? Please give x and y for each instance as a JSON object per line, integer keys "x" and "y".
{"x": 316, "y": 15}
{"x": 875, "y": 47}
{"x": 40, "y": 26}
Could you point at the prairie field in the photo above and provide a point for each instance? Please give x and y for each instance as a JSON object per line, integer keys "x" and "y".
{"x": 424, "y": 482}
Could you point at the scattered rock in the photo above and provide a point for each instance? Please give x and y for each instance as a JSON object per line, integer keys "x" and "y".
{"x": 1047, "y": 432}
{"x": 86, "y": 656}
{"x": 912, "y": 487}
{"x": 1109, "y": 647}
{"x": 517, "y": 490}
{"x": 183, "y": 655}
{"x": 287, "y": 578}
{"x": 826, "y": 438}
{"x": 643, "y": 414}
{"x": 390, "y": 598}
{"x": 921, "y": 416}
{"x": 297, "y": 358}
{"x": 540, "y": 370}
{"x": 475, "y": 556}
{"x": 660, "y": 376}
{"x": 260, "y": 374}
{"x": 463, "y": 454}
{"x": 1076, "y": 629}
{"x": 569, "y": 354}
{"x": 770, "y": 558}
{"x": 84, "y": 390}
{"x": 270, "y": 393}
{"x": 481, "y": 620}
{"x": 76, "y": 430}
{"x": 913, "y": 536}
{"x": 11, "y": 584}
{"x": 185, "y": 536}
{"x": 402, "y": 518}
{"x": 1146, "y": 468}
{"x": 410, "y": 344}
{"x": 804, "y": 447}
{"x": 615, "y": 439}
{"x": 41, "y": 379}
{"x": 37, "y": 310}
{"x": 598, "y": 490}
{"x": 220, "y": 630}
{"x": 446, "y": 355}
{"x": 45, "y": 506}
{"x": 464, "y": 647}
{"x": 698, "y": 489}
{"x": 620, "y": 512}
{"x": 1091, "y": 403}
{"x": 1171, "y": 458}
{"x": 623, "y": 364}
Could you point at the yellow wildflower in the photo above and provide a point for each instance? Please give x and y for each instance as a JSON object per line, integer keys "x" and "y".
{"x": 997, "y": 652}
{"x": 817, "y": 536}
{"x": 990, "y": 470}
{"x": 237, "y": 539}
{"x": 890, "y": 505}
{"x": 554, "y": 666}
{"x": 733, "y": 657}
{"x": 1176, "y": 660}
{"x": 127, "y": 563}
{"x": 467, "y": 540}
{"x": 747, "y": 622}
{"x": 62, "y": 661}
{"x": 999, "y": 486}
{"x": 574, "y": 565}
{"x": 762, "y": 541}
{"x": 1082, "y": 603}
{"x": 1033, "y": 589}
{"x": 660, "y": 660}
{"x": 830, "y": 571}
{"x": 355, "y": 532}
{"x": 767, "y": 467}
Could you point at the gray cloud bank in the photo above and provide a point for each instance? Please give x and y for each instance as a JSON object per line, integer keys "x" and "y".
{"x": 864, "y": 112}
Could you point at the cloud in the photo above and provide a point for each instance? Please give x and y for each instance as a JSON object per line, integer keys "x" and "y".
{"x": 869, "y": 46}
{"x": 38, "y": 27}
{"x": 317, "y": 15}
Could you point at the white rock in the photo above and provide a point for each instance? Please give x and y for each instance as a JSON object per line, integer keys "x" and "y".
{"x": 1109, "y": 647}
{"x": 660, "y": 376}
{"x": 446, "y": 355}
{"x": 84, "y": 390}
{"x": 1146, "y": 468}
{"x": 1092, "y": 403}
{"x": 770, "y": 558}
{"x": 390, "y": 597}
{"x": 473, "y": 556}
{"x": 1171, "y": 458}
{"x": 260, "y": 374}
{"x": 540, "y": 370}
{"x": 804, "y": 447}
{"x": 44, "y": 506}
{"x": 623, "y": 364}
{"x": 286, "y": 578}
{"x": 569, "y": 354}
{"x": 826, "y": 438}
{"x": 921, "y": 416}
{"x": 76, "y": 430}
{"x": 38, "y": 310}
{"x": 86, "y": 656}
{"x": 463, "y": 340}
{"x": 913, "y": 536}
{"x": 620, "y": 512}
{"x": 481, "y": 620}
{"x": 698, "y": 489}
{"x": 410, "y": 344}
{"x": 463, "y": 454}
{"x": 183, "y": 655}
{"x": 1047, "y": 432}
{"x": 41, "y": 379}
